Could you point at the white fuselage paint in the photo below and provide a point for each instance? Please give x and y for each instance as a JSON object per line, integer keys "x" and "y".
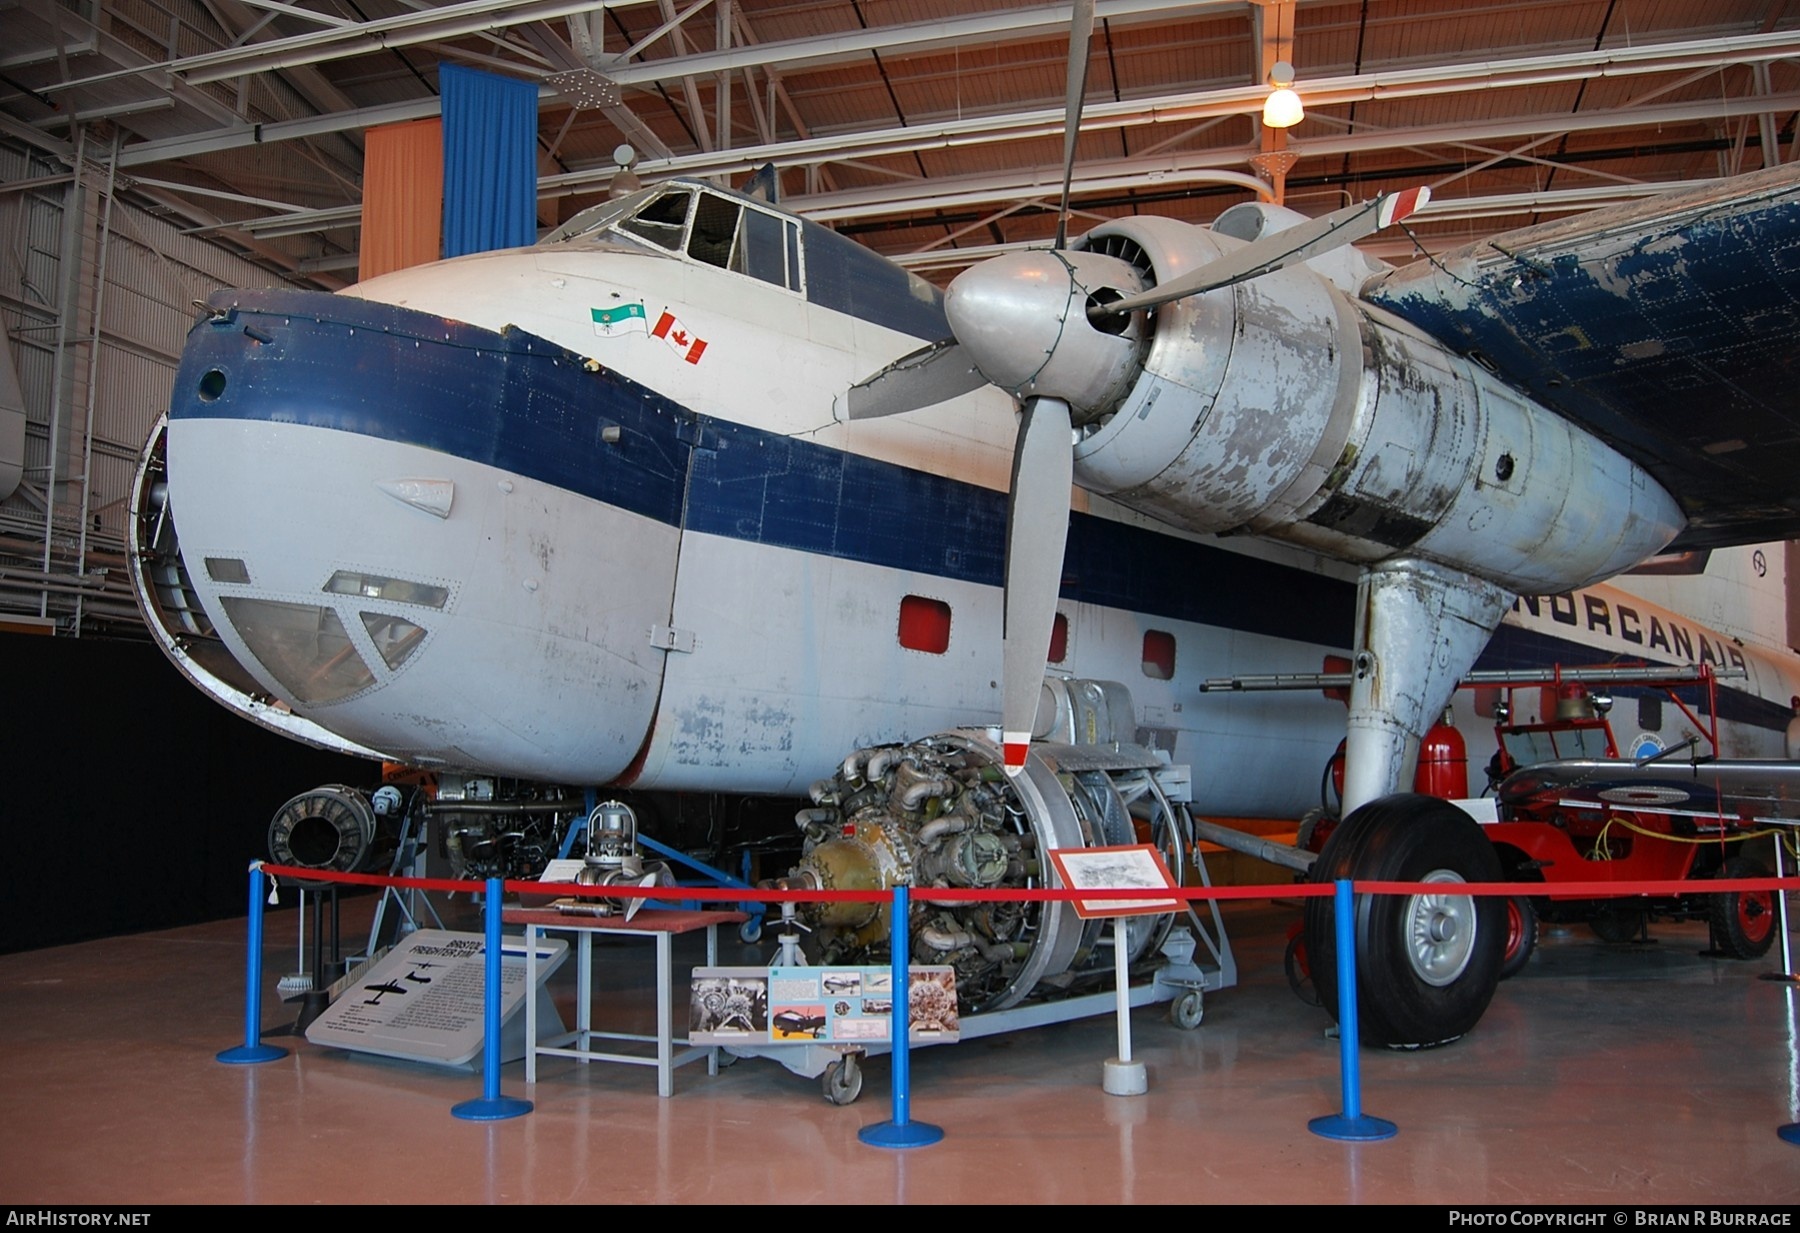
{"x": 541, "y": 664}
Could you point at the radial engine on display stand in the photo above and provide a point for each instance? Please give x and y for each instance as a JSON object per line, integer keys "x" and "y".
{"x": 941, "y": 812}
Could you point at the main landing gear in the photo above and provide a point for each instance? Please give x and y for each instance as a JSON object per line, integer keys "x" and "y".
{"x": 1426, "y": 964}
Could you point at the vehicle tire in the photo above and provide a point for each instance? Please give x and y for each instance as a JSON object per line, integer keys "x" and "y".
{"x": 1743, "y": 922}
{"x": 1299, "y": 970}
{"x": 1613, "y": 921}
{"x": 1521, "y": 935}
{"x": 1426, "y": 964}
{"x": 842, "y": 1081}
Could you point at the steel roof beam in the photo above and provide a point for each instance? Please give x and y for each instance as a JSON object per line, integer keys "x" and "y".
{"x": 854, "y": 46}
{"x": 1211, "y": 166}
{"x": 1047, "y": 121}
{"x": 359, "y": 38}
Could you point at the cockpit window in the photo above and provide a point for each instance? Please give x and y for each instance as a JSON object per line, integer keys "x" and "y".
{"x": 708, "y": 227}
{"x": 715, "y": 231}
{"x": 743, "y": 239}
{"x": 662, "y": 221}
{"x": 598, "y": 218}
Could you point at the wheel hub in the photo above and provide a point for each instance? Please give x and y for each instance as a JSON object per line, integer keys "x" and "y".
{"x": 1440, "y": 932}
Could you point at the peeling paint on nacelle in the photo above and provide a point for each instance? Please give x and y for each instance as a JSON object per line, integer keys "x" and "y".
{"x": 1284, "y": 408}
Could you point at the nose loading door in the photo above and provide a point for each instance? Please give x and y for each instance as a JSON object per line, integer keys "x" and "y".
{"x": 178, "y": 623}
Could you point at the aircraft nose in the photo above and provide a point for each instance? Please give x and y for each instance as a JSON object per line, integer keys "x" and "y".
{"x": 1022, "y": 319}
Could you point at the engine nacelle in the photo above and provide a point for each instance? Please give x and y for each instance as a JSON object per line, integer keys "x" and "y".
{"x": 941, "y": 812}
{"x": 1283, "y": 407}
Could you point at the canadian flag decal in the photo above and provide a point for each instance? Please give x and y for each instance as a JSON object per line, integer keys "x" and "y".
{"x": 681, "y": 340}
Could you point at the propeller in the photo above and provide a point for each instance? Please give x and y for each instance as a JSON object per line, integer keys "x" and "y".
{"x": 1300, "y": 242}
{"x": 1017, "y": 321}
{"x": 1081, "y": 32}
{"x": 1037, "y": 523}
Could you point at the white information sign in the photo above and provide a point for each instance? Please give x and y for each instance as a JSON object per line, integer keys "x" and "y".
{"x": 423, "y": 999}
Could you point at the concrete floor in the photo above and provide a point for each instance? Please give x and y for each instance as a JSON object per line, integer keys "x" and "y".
{"x": 1602, "y": 1074}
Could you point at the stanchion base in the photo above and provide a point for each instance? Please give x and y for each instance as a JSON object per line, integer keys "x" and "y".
{"x": 890, "y": 1134}
{"x": 1364, "y": 1129}
{"x": 249, "y": 1055}
{"x": 496, "y": 1110}
{"x": 1789, "y": 1133}
{"x": 1118, "y": 1078}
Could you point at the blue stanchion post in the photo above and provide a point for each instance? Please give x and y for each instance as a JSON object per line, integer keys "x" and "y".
{"x": 253, "y": 1050}
{"x": 1352, "y": 1124}
{"x": 492, "y": 1106}
{"x": 901, "y": 1131}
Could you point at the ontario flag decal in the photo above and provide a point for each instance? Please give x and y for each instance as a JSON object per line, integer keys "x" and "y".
{"x": 681, "y": 340}
{"x": 620, "y": 319}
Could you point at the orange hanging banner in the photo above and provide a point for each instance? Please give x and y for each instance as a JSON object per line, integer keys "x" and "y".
{"x": 403, "y": 196}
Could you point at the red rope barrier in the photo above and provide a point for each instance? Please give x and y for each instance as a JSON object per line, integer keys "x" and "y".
{"x": 946, "y": 894}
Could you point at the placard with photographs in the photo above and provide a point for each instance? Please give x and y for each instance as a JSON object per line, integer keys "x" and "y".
{"x": 824, "y": 1005}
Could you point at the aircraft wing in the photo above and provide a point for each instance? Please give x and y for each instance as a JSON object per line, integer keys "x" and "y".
{"x": 1669, "y": 328}
{"x": 1744, "y": 791}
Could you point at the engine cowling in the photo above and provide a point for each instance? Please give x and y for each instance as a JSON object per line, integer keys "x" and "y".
{"x": 1283, "y": 407}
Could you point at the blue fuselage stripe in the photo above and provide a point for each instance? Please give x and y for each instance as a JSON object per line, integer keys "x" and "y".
{"x": 521, "y": 404}
{"x": 518, "y": 403}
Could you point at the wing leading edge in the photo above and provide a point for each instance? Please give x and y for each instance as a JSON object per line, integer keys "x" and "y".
{"x": 1670, "y": 328}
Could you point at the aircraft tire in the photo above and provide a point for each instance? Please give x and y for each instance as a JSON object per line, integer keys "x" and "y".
{"x": 1743, "y": 922}
{"x": 1426, "y": 964}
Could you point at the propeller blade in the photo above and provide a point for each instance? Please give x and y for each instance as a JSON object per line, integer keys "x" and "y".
{"x": 1037, "y": 524}
{"x": 1081, "y": 31}
{"x": 1283, "y": 248}
{"x": 923, "y": 378}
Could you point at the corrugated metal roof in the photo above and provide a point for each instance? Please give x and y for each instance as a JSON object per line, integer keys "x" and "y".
{"x": 1452, "y": 92}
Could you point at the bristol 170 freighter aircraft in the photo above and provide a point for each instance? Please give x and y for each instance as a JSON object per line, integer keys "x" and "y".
{"x": 696, "y": 494}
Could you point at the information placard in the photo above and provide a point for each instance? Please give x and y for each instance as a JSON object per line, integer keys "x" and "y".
{"x": 422, "y": 1000}
{"x": 823, "y": 1005}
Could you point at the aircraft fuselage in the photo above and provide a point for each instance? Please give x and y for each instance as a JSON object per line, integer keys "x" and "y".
{"x": 587, "y": 513}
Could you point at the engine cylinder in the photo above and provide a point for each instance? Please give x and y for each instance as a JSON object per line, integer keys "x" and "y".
{"x": 941, "y": 812}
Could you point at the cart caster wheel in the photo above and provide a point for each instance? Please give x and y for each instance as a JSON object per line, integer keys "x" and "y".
{"x": 750, "y": 932}
{"x": 1186, "y": 1011}
{"x": 842, "y": 1081}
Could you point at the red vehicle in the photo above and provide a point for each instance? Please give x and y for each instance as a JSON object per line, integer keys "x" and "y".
{"x": 1588, "y": 823}
{"x": 1628, "y": 833}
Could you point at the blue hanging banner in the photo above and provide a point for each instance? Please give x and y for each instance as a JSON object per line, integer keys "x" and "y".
{"x": 490, "y": 161}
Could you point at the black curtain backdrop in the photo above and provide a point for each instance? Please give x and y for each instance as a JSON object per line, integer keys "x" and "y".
{"x": 130, "y": 800}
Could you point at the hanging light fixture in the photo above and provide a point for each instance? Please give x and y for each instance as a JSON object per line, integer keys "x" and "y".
{"x": 1282, "y": 108}
{"x": 624, "y": 181}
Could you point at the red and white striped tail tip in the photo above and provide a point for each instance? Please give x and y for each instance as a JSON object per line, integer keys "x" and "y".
{"x": 1016, "y": 747}
{"x": 1396, "y": 206}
